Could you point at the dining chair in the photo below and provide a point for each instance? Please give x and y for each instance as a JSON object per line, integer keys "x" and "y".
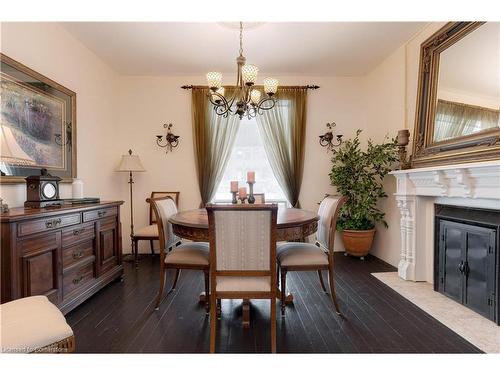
{"x": 189, "y": 255}
{"x": 150, "y": 232}
{"x": 242, "y": 257}
{"x": 260, "y": 198}
{"x": 303, "y": 256}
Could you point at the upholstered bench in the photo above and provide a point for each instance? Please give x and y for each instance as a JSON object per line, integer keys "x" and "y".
{"x": 34, "y": 324}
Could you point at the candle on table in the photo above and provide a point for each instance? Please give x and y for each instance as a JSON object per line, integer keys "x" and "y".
{"x": 251, "y": 177}
{"x": 242, "y": 192}
{"x": 234, "y": 186}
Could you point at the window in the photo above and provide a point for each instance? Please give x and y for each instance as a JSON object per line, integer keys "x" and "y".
{"x": 249, "y": 155}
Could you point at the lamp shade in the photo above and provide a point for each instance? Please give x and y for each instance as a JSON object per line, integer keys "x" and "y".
{"x": 130, "y": 163}
{"x": 10, "y": 151}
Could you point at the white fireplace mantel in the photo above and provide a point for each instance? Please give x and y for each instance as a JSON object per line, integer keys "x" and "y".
{"x": 469, "y": 185}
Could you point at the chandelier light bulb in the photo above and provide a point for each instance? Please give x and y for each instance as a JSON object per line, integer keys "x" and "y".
{"x": 270, "y": 86}
{"x": 249, "y": 74}
{"x": 219, "y": 91}
{"x": 255, "y": 96}
{"x": 214, "y": 80}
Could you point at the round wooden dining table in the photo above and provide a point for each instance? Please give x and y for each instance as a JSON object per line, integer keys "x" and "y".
{"x": 293, "y": 224}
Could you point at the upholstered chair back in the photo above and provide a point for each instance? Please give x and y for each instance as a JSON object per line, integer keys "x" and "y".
{"x": 164, "y": 208}
{"x": 244, "y": 236}
{"x": 260, "y": 198}
{"x": 328, "y": 212}
{"x": 161, "y": 194}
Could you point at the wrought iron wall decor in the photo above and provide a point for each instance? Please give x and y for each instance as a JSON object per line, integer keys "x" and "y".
{"x": 327, "y": 139}
{"x": 170, "y": 140}
{"x": 59, "y": 139}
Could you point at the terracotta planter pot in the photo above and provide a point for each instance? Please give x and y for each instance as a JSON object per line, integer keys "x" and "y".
{"x": 358, "y": 242}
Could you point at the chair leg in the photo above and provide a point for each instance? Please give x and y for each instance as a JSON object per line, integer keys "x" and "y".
{"x": 219, "y": 308}
{"x": 283, "y": 291}
{"x": 207, "y": 291}
{"x": 277, "y": 275}
{"x": 152, "y": 246}
{"x": 273, "y": 325}
{"x": 213, "y": 321}
{"x": 177, "y": 273}
{"x": 163, "y": 271}
{"x": 332, "y": 292}
{"x": 321, "y": 281}
{"x": 135, "y": 250}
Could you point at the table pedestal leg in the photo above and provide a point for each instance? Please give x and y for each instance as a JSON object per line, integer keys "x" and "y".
{"x": 245, "y": 308}
{"x": 288, "y": 298}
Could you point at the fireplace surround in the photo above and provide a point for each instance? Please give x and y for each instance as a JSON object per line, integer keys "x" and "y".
{"x": 473, "y": 185}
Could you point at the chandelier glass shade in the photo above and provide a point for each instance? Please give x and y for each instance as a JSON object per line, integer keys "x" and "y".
{"x": 246, "y": 100}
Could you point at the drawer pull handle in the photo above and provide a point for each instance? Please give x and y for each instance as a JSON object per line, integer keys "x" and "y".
{"x": 78, "y": 279}
{"x": 77, "y": 255}
{"x": 76, "y": 232}
{"x": 101, "y": 213}
{"x": 52, "y": 223}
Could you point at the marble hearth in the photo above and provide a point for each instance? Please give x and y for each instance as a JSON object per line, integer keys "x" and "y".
{"x": 418, "y": 190}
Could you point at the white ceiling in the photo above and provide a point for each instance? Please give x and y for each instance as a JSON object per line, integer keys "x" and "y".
{"x": 174, "y": 48}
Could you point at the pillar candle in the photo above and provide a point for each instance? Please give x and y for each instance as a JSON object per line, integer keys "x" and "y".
{"x": 77, "y": 189}
{"x": 242, "y": 192}
{"x": 234, "y": 186}
{"x": 251, "y": 176}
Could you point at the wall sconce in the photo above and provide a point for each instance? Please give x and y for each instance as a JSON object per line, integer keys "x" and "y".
{"x": 326, "y": 140}
{"x": 59, "y": 139}
{"x": 403, "y": 139}
{"x": 170, "y": 141}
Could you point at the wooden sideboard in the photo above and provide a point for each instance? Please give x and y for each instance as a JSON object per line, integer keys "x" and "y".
{"x": 66, "y": 253}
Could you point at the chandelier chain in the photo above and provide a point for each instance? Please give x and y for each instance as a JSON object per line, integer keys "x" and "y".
{"x": 241, "y": 38}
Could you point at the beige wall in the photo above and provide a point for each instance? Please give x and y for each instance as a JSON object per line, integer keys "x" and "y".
{"x": 51, "y": 51}
{"x": 116, "y": 113}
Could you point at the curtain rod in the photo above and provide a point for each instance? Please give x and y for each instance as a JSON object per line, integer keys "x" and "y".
{"x": 310, "y": 87}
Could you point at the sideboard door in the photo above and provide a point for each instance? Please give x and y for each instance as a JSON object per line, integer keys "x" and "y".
{"x": 108, "y": 244}
{"x": 40, "y": 264}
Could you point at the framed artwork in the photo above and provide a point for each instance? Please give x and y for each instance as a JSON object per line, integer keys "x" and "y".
{"x": 37, "y": 124}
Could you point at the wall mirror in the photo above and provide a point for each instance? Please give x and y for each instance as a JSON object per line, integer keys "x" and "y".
{"x": 458, "y": 105}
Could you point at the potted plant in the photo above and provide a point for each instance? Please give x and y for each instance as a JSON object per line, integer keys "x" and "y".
{"x": 358, "y": 175}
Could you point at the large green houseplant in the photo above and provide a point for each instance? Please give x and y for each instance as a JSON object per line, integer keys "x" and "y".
{"x": 358, "y": 175}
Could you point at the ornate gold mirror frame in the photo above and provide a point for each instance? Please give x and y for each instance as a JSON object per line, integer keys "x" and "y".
{"x": 481, "y": 146}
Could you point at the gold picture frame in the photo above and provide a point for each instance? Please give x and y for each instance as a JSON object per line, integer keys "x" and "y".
{"x": 481, "y": 146}
{"x": 19, "y": 80}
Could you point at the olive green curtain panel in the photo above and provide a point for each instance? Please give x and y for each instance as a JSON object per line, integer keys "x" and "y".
{"x": 283, "y": 130}
{"x": 214, "y": 138}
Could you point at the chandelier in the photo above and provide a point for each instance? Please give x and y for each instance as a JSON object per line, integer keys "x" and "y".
{"x": 246, "y": 101}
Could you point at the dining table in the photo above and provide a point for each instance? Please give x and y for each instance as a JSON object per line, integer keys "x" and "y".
{"x": 293, "y": 224}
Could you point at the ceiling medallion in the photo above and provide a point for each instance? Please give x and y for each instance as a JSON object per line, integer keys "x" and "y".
{"x": 246, "y": 101}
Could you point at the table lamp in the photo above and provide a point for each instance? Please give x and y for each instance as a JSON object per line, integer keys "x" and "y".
{"x": 11, "y": 153}
{"x": 131, "y": 163}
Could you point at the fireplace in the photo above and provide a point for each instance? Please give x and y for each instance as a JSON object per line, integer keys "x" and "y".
{"x": 466, "y": 257}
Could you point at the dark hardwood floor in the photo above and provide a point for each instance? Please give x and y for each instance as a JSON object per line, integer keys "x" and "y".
{"x": 121, "y": 318}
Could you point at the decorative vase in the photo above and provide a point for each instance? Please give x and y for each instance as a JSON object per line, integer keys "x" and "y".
{"x": 358, "y": 242}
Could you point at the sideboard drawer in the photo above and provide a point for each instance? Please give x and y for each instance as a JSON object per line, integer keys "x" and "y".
{"x": 77, "y": 253}
{"x": 43, "y": 225}
{"x": 77, "y": 278}
{"x": 99, "y": 214}
{"x": 76, "y": 234}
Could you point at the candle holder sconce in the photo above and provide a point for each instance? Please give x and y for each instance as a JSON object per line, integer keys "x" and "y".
{"x": 58, "y": 138}
{"x": 327, "y": 139}
{"x": 403, "y": 139}
{"x": 170, "y": 140}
